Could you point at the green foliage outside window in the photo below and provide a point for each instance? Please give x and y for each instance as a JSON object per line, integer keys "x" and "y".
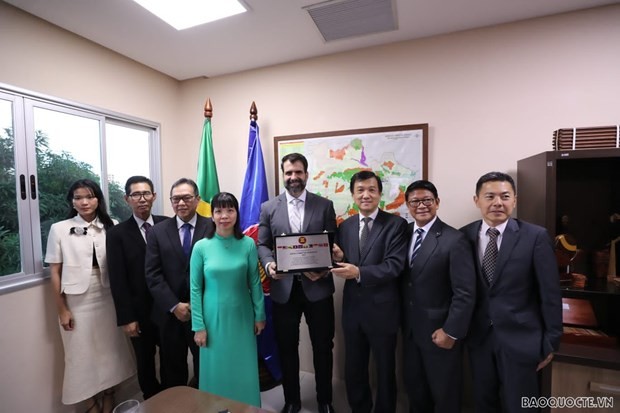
{"x": 55, "y": 174}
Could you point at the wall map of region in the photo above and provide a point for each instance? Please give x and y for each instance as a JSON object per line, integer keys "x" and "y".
{"x": 397, "y": 154}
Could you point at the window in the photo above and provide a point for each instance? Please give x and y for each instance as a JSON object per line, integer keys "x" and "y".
{"x": 45, "y": 145}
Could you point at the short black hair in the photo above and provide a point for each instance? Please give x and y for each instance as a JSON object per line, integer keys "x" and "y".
{"x": 421, "y": 184}
{"x": 362, "y": 176}
{"x": 187, "y": 181}
{"x": 137, "y": 179}
{"x": 294, "y": 157}
{"x": 225, "y": 200}
{"x": 495, "y": 176}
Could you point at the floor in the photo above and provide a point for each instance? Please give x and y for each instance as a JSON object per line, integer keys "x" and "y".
{"x": 274, "y": 399}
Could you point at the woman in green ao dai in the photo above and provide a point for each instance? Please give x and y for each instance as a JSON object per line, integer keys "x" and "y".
{"x": 227, "y": 305}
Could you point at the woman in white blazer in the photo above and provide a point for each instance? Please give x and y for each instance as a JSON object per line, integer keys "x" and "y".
{"x": 97, "y": 355}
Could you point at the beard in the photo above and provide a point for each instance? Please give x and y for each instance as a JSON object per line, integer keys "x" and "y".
{"x": 295, "y": 186}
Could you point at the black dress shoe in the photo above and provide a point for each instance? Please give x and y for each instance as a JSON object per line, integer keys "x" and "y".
{"x": 291, "y": 408}
{"x": 326, "y": 408}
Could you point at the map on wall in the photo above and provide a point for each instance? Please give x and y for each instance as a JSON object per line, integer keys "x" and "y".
{"x": 397, "y": 154}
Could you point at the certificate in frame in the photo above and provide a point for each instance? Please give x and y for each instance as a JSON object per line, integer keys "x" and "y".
{"x": 303, "y": 252}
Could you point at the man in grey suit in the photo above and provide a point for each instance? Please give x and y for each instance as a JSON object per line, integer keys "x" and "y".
{"x": 169, "y": 246}
{"x": 373, "y": 250}
{"x": 309, "y": 293}
{"x": 517, "y": 322}
{"x": 439, "y": 288}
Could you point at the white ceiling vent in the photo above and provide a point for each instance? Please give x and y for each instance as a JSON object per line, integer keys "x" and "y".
{"x": 339, "y": 19}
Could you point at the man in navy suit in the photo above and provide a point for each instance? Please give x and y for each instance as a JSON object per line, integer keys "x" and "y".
{"x": 126, "y": 248}
{"x": 373, "y": 250}
{"x": 517, "y": 322}
{"x": 169, "y": 246}
{"x": 439, "y": 292}
{"x": 308, "y": 293}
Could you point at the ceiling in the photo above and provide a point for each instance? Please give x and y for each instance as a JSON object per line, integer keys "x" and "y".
{"x": 271, "y": 32}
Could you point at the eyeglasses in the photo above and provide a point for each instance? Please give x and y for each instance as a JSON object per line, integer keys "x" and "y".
{"x": 414, "y": 203}
{"x": 147, "y": 195}
{"x": 186, "y": 198}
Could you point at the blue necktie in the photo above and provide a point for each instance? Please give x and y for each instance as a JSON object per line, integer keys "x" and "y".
{"x": 417, "y": 245}
{"x": 187, "y": 238}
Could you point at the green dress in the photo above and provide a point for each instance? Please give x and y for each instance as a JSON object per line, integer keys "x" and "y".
{"x": 226, "y": 300}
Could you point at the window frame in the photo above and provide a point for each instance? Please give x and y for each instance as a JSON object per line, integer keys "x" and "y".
{"x": 33, "y": 272}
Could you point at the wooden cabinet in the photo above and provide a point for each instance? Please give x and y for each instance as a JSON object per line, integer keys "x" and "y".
{"x": 577, "y": 381}
{"x": 577, "y": 192}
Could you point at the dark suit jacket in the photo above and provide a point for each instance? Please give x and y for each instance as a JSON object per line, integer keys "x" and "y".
{"x": 524, "y": 302}
{"x": 125, "y": 249}
{"x": 167, "y": 267}
{"x": 439, "y": 290}
{"x": 374, "y": 302}
{"x": 319, "y": 216}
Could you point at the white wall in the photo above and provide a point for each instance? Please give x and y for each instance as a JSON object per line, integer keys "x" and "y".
{"x": 43, "y": 58}
{"x": 491, "y": 96}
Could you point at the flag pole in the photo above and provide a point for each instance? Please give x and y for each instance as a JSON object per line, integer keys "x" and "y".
{"x": 207, "y": 180}
{"x": 208, "y": 109}
{"x": 254, "y": 193}
{"x": 253, "y": 112}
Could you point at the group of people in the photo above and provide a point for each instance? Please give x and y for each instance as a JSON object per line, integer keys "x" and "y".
{"x": 491, "y": 286}
{"x": 169, "y": 284}
{"x": 192, "y": 283}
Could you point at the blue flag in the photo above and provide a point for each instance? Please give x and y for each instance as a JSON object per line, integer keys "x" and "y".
{"x": 253, "y": 195}
{"x": 255, "y": 182}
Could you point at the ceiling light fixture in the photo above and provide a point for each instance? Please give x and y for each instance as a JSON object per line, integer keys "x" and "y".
{"x": 183, "y": 14}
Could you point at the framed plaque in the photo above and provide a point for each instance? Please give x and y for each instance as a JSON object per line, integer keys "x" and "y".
{"x": 303, "y": 252}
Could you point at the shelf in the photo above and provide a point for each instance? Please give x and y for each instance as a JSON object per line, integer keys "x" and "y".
{"x": 588, "y": 355}
{"x": 593, "y": 287}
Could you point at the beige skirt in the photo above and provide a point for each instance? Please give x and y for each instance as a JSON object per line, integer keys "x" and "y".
{"x": 97, "y": 352}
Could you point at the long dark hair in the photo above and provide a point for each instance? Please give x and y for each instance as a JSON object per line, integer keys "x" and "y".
{"x": 93, "y": 187}
{"x": 225, "y": 200}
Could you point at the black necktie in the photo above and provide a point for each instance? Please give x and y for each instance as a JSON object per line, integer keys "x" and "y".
{"x": 146, "y": 227}
{"x": 364, "y": 234}
{"x": 489, "y": 259}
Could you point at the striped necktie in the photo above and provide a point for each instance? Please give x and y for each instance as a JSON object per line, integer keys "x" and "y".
{"x": 416, "y": 245}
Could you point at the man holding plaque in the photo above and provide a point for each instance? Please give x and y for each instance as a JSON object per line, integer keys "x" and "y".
{"x": 297, "y": 293}
{"x": 373, "y": 248}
